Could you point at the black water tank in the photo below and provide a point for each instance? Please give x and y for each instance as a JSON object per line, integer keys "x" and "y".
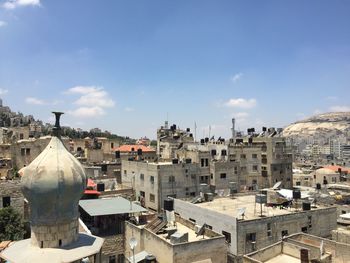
{"x": 306, "y": 206}
{"x": 318, "y": 186}
{"x": 202, "y": 141}
{"x": 188, "y": 129}
{"x": 296, "y": 194}
{"x": 250, "y": 140}
{"x": 150, "y": 259}
{"x": 168, "y": 204}
{"x": 117, "y": 154}
{"x": 100, "y": 187}
{"x": 206, "y": 139}
{"x": 264, "y": 129}
{"x": 139, "y": 151}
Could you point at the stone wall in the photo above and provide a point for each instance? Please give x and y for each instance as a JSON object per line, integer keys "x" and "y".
{"x": 12, "y": 188}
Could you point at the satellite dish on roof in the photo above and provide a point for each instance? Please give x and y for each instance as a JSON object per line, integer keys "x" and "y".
{"x": 241, "y": 212}
{"x": 133, "y": 243}
{"x": 277, "y": 185}
{"x": 201, "y": 231}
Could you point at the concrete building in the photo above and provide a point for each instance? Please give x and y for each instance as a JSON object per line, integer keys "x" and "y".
{"x": 106, "y": 218}
{"x": 301, "y": 248}
{"x": 11, "y": 195}
{"x": 135, "y": 152}
{"x": 326, "y": 176}
{"x": 240, "y": 221}
{"x": 174, "y": 244}
{"x": 53, "y": 184}
{"x": 153, "y": 182}
{"x": 169, "y": 139}
{"x": 265, "y": 159}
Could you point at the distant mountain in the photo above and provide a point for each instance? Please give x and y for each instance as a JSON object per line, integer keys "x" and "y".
{"x": 324, "y": 125}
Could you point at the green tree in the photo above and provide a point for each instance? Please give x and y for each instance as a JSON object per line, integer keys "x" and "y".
{"x": 11, "y": 225}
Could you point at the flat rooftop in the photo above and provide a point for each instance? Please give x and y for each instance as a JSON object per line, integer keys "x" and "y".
{"x": 192, "y": 236}
{"x": 229, "y": 206}
{"x": 283, "y": 258}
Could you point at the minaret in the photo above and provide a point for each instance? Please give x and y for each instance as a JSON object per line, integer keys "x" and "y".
{"x": 233, "y": 129}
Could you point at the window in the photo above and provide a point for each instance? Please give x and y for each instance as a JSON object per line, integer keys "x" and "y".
{"x": 223, "y": 176}
{"x": 192, "y": 220}
{"x": 27, "y": 151}
{"x": 202, "y": 162}
{"x": 236, "y": 170}
{"x": 254, "y": 156}
{"x": 171, "y": 179}
{"x": 124, "y": 172}
{"x": 304, "y": 229}
{"x": 297, "y": 183}
{"x": 6, "y": 201}
{"x": 23, "y": 151}
{"x": 243, "y": 156}
{"x": 111, "y": 259}
{"x": 151, "y": 179}
{"x": 269, "y": 230}
{"x": 284, "y": 233}
{"x": 142, "y": 176}
{"x": 206, "y": 162}
{"x": 255, "y": 168}
{"x": 193, "y": 194}
{"x": 227, "y": 236}
{"x": 309, "y": 220}
{"x": 152, "y": 198}
{"x": 112, "y": 145}
{"x": 60, "y": 242}
{"x": 251, "y": 237}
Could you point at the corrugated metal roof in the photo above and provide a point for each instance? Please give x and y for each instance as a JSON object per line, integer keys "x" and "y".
{"x": 109, "y": 206}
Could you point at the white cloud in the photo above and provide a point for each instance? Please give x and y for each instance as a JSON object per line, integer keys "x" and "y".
{"x": 87, "y": 112}
{"x": 3, "y": 23}
{"x": 3, "y": 91}
{"x": 241, "y": 103}
{"x": 339, "y": 108}
{"x": 91, "y": 96}
{"x": 129, "y": 109}
{"x": 236, "y": 77}
{"x": 12, "y": 4}
{"x": 35, "y": 101}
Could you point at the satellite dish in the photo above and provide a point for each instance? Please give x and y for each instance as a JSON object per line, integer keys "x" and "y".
{"x": 241, "y": 212}
{"x": 133, "y": 243}
{"x": 277, "y": 185}
{"x": 201, "y": 231}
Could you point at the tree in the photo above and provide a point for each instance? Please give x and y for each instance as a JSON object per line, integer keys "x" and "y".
{"x": 11, "y": 225}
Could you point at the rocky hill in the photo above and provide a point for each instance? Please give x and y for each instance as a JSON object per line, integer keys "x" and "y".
{"x": 326, "y": 124}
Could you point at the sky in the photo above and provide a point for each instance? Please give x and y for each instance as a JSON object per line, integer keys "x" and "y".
{"x": 127, "y": 66}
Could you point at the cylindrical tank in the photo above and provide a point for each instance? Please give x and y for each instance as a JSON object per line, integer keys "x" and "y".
{"x": 100, "y": 187}
{"x": 296, "y": 194}
{"x": 168, "y": 204}
{"x": 150, "y": 259}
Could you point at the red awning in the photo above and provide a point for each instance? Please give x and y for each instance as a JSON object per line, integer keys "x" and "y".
{"x": 91, "y": 192}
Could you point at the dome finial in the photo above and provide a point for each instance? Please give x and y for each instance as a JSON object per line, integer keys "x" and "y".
{"x": 57, "y": 128}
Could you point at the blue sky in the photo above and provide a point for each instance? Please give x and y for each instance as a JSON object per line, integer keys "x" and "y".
{"x": 125, "y": 66}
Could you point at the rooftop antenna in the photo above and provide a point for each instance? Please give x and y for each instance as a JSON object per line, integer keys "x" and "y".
{"x": 209, "y": 130}
{"x": 56, "y": 130}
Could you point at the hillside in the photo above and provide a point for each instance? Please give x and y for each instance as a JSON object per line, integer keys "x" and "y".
{"x": 326, "y": 124}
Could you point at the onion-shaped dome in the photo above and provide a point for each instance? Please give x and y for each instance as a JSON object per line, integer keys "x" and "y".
{"x": 53, "y": 183}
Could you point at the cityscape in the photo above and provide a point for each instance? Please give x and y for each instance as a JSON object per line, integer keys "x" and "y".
{"x": 157, "y": 158}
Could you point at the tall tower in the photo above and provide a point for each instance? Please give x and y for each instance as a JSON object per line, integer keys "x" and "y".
{"x": 233, "y": 129}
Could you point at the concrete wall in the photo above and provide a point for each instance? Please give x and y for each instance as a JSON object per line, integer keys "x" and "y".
{"x": 219, "y": 222}
{"x": 323, "y": 221}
